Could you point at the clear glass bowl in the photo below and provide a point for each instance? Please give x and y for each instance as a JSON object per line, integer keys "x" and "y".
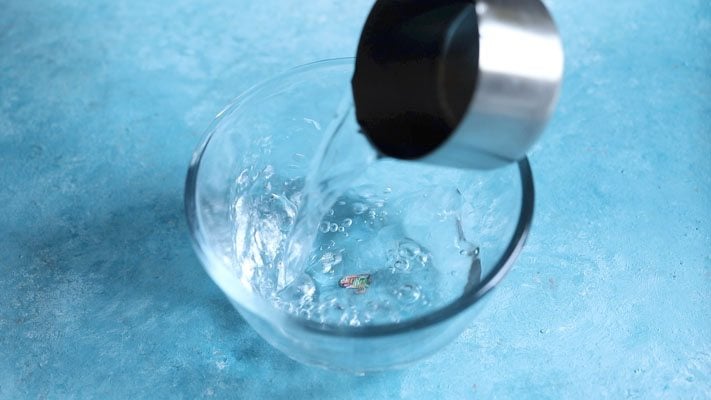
{"x": 282, "y": 117}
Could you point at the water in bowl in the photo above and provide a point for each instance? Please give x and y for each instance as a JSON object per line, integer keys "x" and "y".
{"x": 361, "y": 240}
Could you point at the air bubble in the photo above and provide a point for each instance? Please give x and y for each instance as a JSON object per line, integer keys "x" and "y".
{"x": 470, "y": 251}
{"x": 347, "y": 222}
{"x": 355, "y": 317}
{"x": 409, "y": 294}
{"x": 333, "y": 227}
{"x": 359, "y": 208}
{"x": 401, "y": 265}
{"x": 408, "y": 249}
{"x": 323, "y": 227}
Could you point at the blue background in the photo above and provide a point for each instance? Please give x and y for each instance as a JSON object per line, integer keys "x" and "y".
{"x": 102, "y": 103}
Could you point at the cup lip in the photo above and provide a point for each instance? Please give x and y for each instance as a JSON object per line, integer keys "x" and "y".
{"x": 439, "y": 315}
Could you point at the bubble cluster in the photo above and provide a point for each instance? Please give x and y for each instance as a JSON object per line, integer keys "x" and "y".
{"x": 360, "y": 235}
{"x": 408, "y": 255}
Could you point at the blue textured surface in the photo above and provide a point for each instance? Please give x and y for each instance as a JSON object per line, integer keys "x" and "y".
{"x": 102, "y": 103}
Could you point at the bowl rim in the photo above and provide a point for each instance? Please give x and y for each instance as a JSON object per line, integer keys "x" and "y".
{"x": 439, "y": 315}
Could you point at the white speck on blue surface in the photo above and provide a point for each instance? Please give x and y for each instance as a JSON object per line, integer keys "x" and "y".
{"x": 102, "y": 103}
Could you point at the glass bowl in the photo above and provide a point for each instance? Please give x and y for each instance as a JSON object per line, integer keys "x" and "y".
{"x": 275, "y": 128}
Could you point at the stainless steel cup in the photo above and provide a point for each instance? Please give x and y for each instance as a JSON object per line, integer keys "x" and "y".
{"x": 462, "y": 83}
